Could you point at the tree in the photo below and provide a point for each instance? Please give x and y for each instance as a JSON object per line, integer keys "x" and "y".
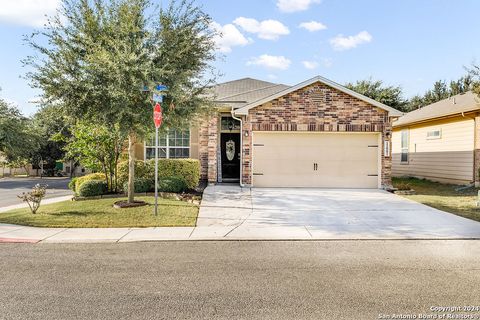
{"x": 102, "y": 53}
{"x": 97, "y": 147}
{"x": 375, "y": 89}
{"x": 53, "y": 128}
{"x": 12, "y": 130}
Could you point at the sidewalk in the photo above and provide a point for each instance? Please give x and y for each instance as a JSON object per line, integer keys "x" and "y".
{"x": 22, "y": 234}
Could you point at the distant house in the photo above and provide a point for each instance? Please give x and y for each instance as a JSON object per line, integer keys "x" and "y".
{"x": 313, "y": 134}
{"x": 439, "y": 142}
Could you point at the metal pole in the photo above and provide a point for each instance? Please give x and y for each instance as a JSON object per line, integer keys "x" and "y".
{"x": 156, "y": 170}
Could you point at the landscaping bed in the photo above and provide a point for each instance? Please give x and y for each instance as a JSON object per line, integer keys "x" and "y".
{"x": 455, "y": 199}
{"x": 100, "y": 213}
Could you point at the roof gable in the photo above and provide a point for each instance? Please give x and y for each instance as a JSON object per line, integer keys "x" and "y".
{"x": 244, "y": 110}
{"x": 457, "y": 104}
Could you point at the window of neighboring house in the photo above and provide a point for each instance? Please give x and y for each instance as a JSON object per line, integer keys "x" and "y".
{"x": 434, "y": 134}
{"x": 404, "y": 156}
{"x": 173, "y": 145}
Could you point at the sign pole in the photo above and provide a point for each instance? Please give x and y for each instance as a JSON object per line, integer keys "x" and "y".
{"x": 156, "y": 171}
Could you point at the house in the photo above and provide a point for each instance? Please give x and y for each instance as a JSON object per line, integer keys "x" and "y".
{"x": 439, "y": 142}
{"x": 314, "y": 134}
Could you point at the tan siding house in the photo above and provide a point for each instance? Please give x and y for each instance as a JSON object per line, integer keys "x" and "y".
{"x": 438, "y": 142}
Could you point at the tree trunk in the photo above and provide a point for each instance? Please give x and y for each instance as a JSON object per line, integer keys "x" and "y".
{"x": 131, "y": 167}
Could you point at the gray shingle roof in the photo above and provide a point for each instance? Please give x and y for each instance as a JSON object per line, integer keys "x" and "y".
{"x": 241, "y": 92}
{"x": 454, "y": 105}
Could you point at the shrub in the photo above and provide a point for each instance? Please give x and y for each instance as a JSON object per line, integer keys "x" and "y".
{"x": 71, "y": 184}
{"x": 92, "y": 176}
{"x": 141, "y": 185}
{"x": 92, "y": 188}
{"x": 142, "y": 171}
{"x": 186, "y": 169}
{"x": 171, "y": 184}
{"x": 34, "y": 197}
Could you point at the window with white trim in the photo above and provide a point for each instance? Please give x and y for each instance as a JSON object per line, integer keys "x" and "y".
{"x": 173, "y": 145}
{"x": 434, "y": 134}
{"x": 404, "y": 155}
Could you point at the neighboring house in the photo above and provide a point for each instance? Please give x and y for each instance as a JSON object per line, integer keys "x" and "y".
{"x": 314, "y": 134}
{"x": 439, "y": 142}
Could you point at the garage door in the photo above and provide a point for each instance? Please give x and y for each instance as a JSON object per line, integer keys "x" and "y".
{"x": 327, "y": 160}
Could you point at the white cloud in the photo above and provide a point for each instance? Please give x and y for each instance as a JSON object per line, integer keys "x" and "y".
{"x": 295, "y": 5}
{"x": 344, "y": 43}
{"x": 313, "y": 26}
{"x": 229, "y": 36}
{"x": 27, "y": 12}
{"x": 270, "y": 62}
{"x": 266, "y": 29}
{"x": 310, "y": 64}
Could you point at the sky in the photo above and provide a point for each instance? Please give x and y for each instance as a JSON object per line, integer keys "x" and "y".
{"x": 410, "y": 43}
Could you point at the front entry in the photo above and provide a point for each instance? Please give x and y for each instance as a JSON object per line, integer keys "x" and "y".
{"x": 230, "y": 148}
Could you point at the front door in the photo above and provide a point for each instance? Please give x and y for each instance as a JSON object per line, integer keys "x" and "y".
{"x": 230, "y": 147}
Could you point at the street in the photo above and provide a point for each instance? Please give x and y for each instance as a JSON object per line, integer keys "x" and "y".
{"x": 237, "y": 279}
{"x": 10, "y": 188}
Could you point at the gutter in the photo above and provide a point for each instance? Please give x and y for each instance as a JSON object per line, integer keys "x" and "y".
{"x": 241, "y": 146}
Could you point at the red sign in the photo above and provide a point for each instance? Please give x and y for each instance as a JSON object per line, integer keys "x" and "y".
{"x": 157, "y": 115}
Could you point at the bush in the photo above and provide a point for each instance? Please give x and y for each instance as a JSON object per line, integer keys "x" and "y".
{"x": 141, "y": 185}
{"x": 71, "y": 184}
{"x": 92, "y": 188}
{"x": 186, "y": 169}
{"x": 403, "y": 186}
{"x": 93, "y": 176}
{"x": 171, "y": 184}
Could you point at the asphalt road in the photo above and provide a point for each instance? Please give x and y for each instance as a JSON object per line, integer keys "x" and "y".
{"x": 10, "y": 188}
{"x": 237, "y": 280}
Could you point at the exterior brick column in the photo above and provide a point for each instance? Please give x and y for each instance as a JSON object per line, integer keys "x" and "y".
{"x": 386, "y": 178}
{"x": 246, "y": 151}
{"x": 212, "y": 149}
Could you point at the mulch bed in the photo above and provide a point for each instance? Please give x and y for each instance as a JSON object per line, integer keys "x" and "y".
{"x": 124, "y": 204}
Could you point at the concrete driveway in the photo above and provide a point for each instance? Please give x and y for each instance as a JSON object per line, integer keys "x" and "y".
{"x": 298, "y": 213}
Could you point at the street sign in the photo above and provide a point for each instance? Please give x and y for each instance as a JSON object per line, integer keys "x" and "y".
{"x": 157, "y": 97}
{"x": 161, "y": 87}
{"x": 157, "y": 115}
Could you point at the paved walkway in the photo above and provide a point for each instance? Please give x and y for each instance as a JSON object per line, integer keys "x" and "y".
{"x": 233, "y": 213}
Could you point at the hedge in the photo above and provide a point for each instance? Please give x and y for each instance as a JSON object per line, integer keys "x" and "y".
{"x": 186, "y": 169}
{"x": 92, "y": 176}
{"x": 92, "y": 188}
{"x": 171, "y": 184}
{"x": 141, "y": 185}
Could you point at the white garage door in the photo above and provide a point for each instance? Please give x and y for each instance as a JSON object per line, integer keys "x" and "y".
{"x": 326, "y": 160}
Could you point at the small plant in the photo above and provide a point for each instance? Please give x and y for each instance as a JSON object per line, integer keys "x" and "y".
{"x": 34, "y": 197}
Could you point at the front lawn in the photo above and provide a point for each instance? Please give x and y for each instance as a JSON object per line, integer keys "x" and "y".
{"x": 446, "y": 197}
{"x": 101, "y": 214}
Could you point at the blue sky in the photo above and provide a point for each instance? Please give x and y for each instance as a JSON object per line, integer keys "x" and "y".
{"x": 410, "y": 43}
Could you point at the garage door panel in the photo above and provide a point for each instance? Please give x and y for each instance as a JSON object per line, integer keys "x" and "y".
{"x": 343, "y": 160}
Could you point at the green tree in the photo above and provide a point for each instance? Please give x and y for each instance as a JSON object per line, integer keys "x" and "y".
{"x": 18, "y": 139}
{"x": 375, "y": 89}
{"x": 53, "y": 128}
{"x": 101, "y": 54}
{"x": 97, "y": 147}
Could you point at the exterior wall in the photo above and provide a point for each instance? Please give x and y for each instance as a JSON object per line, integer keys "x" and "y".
{"x": 448, "y": 159}
{"x": 317, "y": 108}
{"x": 207, "y": 148}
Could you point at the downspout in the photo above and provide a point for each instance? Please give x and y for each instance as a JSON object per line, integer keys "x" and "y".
{"x": 241, "y": 146}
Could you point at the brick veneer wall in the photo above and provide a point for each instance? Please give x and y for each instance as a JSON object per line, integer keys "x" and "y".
{"x": 207, "y": 148}
{"x": 319, "y": 108}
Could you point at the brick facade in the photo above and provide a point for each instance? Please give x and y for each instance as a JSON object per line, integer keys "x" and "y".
{"x": 207, "y": 148}
{"x": 317, "y": 108}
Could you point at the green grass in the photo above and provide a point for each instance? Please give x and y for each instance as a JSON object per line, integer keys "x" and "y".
{"x": 444, "y": 197}
{"x": 101, "y": 214}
